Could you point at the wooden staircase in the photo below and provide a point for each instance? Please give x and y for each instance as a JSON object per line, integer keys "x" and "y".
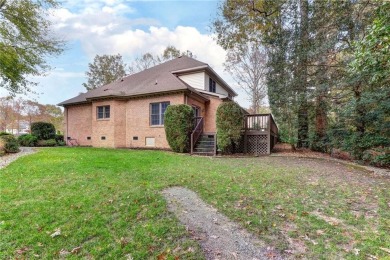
{"x": 206, "y": 145}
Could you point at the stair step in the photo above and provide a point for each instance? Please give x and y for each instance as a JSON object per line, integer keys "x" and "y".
{"x": 205, "y": 145}
{"x": 204, "y": 153}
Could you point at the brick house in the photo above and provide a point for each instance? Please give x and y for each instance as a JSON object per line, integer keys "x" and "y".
{"x": 129, "y": 112}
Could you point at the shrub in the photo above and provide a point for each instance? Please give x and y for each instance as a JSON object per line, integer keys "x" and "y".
{"x": 28, "y": 140}
{"x": 59, "y": 138}
{"x": 4, "y": 133}
{"x": 178, "y": 123}
{"x": 229, "y": 124}
{"x": 2, "y": 148}
{"x": 43, "y": 130}
{"x": 379, "y": 156}
{"x": 10, "y": 143}
{"x": 61, "y": 143}
{"x": 50, "y": 142}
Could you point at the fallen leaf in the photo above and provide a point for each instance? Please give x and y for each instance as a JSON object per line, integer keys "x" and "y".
{"x": 162, "y": 256}
{"x": 56, "y": 233}
{"x": 64, "y": 252}
{"x": 22, "y": 250}
{"x": 356, "y": 251}
{"x": 76, "y": 250}
{"x": 123, "y": 242}
{"x": 320, "y": 232}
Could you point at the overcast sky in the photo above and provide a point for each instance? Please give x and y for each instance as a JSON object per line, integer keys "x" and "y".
{"x": 129, "y": 28}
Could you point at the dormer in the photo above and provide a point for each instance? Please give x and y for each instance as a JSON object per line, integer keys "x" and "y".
{"x": 206, "y": 80}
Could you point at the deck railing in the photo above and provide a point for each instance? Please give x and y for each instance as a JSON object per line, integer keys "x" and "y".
{"x": 198, "y": 130}
{"x": 260, "y": 122}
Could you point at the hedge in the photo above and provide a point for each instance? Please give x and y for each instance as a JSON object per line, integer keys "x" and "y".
{"x": 43, "y": 130}
{"x": 28, "y": 140}
{"x": 229, "y": 124}
{"x": 178, "y": 123}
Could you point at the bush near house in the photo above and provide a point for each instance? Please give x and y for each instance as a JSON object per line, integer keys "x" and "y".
{"x": 50, "y": 142}
{"x": 178, "y": 123}
{"x": 229, "y": 124}
{"x": 28, "y": 140}
{"x": 59, "y": 138}
{"x": 43, "y": 130}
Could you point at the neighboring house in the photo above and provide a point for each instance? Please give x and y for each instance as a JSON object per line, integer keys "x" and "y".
{"x": 130, "y": 112}
{"x": 23, "y": 128}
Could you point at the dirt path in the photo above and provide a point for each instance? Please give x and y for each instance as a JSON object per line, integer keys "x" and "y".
{"x": 7, "y": 159}
{"x": 219, "y": 237}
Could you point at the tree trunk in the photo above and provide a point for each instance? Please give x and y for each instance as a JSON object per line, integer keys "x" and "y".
{"x": 303, "y": 118}
{"x": 359, "y": 124}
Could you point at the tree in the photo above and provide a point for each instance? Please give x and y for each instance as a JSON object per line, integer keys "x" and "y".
{"x": 31, "y": 111}
{"x": 5, "y": 113}
{"x": 170, "y": 53}
{"x": 144, "y": 62}
{"x": 148, "y": 60}
{"x": 25, "y": 42}
{"x": 54, "y": 115}
{"x": 104, "y": 70}
{"x": 370, "y": 77}
{"x": 247, "y": 65}
{"x": 308, "y": 45}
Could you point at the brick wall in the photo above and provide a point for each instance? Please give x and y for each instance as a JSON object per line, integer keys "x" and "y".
{"x": 120, "y": 123}
{"x": 129, "y": 122}
{"x": 211, "y": 111}
{"x": 138, "y": 121}
{"x": 79, "y": 123}
{"x": 103, "y": 130}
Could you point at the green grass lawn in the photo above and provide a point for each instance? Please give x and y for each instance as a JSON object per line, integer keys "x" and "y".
{"x": 108, "y": 202}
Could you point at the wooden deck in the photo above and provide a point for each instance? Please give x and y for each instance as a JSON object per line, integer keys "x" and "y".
{"x": 259, "y": 134}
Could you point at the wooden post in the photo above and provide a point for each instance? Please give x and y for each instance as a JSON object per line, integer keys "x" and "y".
{"x": 269, "y": 135}
{"x": 192, "y": 143}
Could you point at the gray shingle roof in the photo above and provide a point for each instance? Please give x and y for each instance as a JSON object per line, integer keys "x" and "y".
{"x": 153, "y": 80}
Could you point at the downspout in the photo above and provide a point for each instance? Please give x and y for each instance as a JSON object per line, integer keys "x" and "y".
{"x": 67, "y": 126}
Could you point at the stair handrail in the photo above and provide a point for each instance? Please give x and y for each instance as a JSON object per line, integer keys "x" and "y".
{"x": 197, "y": 132}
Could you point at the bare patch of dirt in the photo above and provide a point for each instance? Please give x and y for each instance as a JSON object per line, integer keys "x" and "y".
{"x": 332, "y": 220}
{"x": 219, "y": 237}
{"x": 286, "y": 150}
{"x": 297, "y": 245}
